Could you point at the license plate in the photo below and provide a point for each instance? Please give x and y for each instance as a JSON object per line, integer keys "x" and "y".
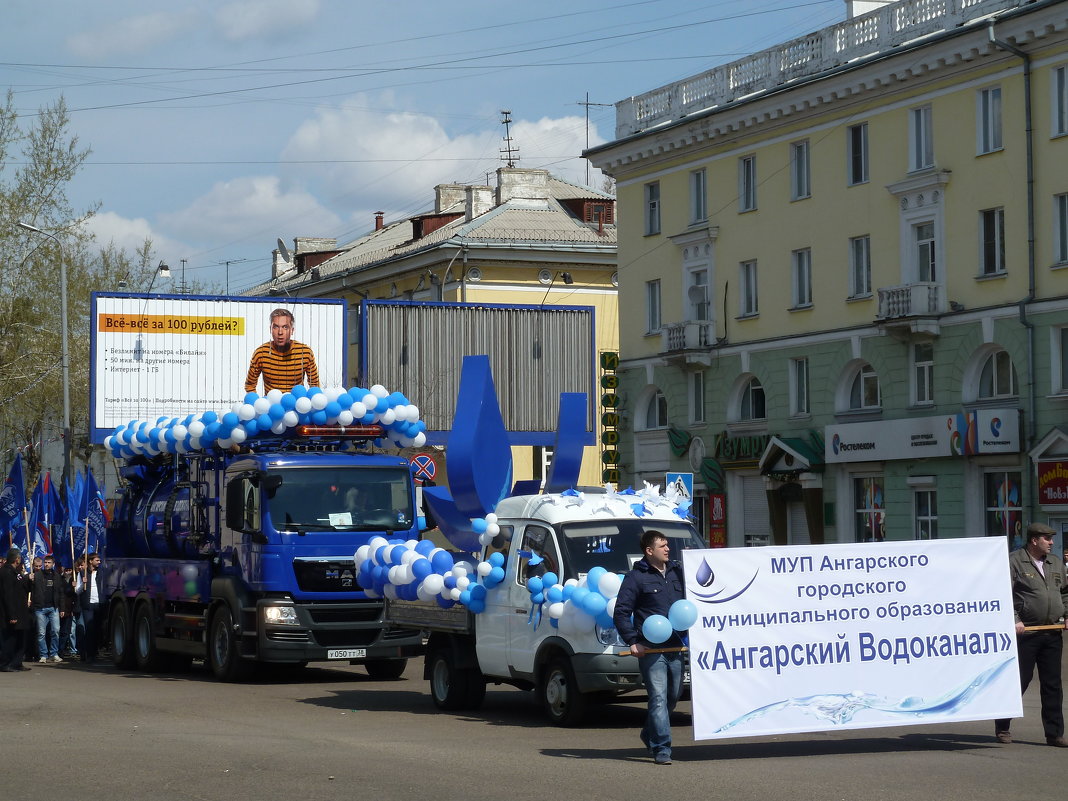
{"x": 347, "y": 653}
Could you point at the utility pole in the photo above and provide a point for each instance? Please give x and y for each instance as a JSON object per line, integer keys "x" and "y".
{"x": 228, "y": 262}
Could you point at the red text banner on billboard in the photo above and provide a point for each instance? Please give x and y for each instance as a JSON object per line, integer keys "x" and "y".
{"x": 172, "y": 356}
{"x": 850, "y": 636}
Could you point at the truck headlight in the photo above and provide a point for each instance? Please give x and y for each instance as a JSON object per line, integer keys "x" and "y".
{"x": 608, "y": 636}
{"x": 280, "y": 615}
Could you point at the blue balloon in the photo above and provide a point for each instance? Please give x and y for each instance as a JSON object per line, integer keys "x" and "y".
{"x": 288, "y": 402}
{"x": 382, "y": 554}
{"x": 319, "y": 417}
{"x": 300, "y": 391}
{"x": 424, "y": 547}
{"x": 682, "y": 614}
{"x": 333, "y": 409}
{"x": 578, "y": 595}
{"x": 478, "y": 525}
{"x": 465, "y": 597}
{"x": 450, "y": 582}
{"x": 251, "y": 398}
{"x": 568, "y": 591}
{"x": 593, "y": 578}
{"x": 445, "y": 603}
{"x": 443, "y": 562}
{"x": 264, "y": 421}
{"x": 345, "y": 400}
{"x": 656, "y": 628}
{"x": 277, "y": 411}
{"x": 555, "y": 594}
{"x": 421, "y": 568}
{"x": 497, "y": 574}
{"x": 537, "y": 598}
{"x": 396, "y": 554}
{"x": 497, "y": 559}
{"x": 478, "y": 592}
{"x": 208, "y": 418}
{"x": 593, "y": 604}
{"x": 534, "y": 584}
{"x": 604, "y": 620}
{"x": 230, "y": 419}
{"x": 549, "y": 579}
{"x": 477, "y": 606}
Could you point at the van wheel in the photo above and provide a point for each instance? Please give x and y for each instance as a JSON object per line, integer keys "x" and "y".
{"x": 121, "y": 653}
{"x": 226, "y": 663}
{"x": 146, "y": 655}
{"x": 559, "y": 694}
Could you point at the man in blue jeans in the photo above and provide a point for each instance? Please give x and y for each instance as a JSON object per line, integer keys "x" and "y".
{"x": 650, "y": 588}
{"x": 46, "y": 596}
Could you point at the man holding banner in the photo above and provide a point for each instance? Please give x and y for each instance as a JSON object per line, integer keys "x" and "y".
{"x": 1038, "y": 600}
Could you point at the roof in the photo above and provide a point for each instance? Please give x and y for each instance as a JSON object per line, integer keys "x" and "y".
{"x": 573, "y": 506}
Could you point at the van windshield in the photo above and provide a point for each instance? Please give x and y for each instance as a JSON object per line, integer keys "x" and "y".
{"x": 613, "y": 544}
{"x": 341, "y": 499}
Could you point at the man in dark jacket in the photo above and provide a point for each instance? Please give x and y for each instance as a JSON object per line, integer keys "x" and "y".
{"x": 46, "y": 599}
{"x": 1038, "y": 600}
{"x": 15, "y": 610}
{"x": 654, "y": 584}
{"x": 91, "y": 602}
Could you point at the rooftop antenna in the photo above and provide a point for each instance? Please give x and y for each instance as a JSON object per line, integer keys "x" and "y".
{"x": 509, "y": 153}
{"x": 587, "y": 104}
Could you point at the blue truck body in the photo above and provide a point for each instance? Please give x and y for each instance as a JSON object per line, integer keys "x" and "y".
{"x": 247, "y": 558}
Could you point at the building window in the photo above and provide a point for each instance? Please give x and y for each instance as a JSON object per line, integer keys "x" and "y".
{"x": 656, "y": 412}
{"x": 858, "y": 153}
{"x": 800, "y": 174}
{"x": 864, "y": 391}
{"x": 921, "y": 139}
{"x": 1060, "y": 360}
{"x": 992, "y": 253}
{"x": 1060, "y": 101}
{"x": 697, "y": 299}
{"x": 988, "y": 120}
{"x": 926, "y": 260}
{"x": 747, "y": 199}
{"x": 802, "y": 278}
{"x": 799, "y": 386}
{"x": 652, "y": 208}
{"x": 998, "y": 377}
{"x": 926, "y": 504}
{"x": 752, "y": 406}
{"x": 749, "y": 305}
{"x": 1001, "y": 490}
{"x": 869, "y": 509}
{"x": 652, "y": 306}
{"x": 697, "y": 397}
{"x": 698, "y": 196}
{"x": 1060, "y": 229}
{"x": 923, "y": 373}
{"x": 860, "y": 266}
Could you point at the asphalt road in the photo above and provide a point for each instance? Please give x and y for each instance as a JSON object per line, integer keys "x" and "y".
{"x": 331, "y": 732}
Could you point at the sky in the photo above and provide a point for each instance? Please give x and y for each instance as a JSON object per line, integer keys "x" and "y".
{"x": 218, "y": 127}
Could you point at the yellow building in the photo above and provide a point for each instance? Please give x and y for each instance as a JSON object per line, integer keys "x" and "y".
{"x": 850, "y": 254}
{"x": 533, "y": 244}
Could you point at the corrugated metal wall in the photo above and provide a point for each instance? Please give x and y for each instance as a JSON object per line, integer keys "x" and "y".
{"x": 536, "y": 353}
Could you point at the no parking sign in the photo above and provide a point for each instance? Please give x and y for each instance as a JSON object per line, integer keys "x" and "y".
{"x": 423, "y": 467}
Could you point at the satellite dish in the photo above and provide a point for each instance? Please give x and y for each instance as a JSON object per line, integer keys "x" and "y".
{"x": 697, "y": 294}
{"x": 282, "y": 249}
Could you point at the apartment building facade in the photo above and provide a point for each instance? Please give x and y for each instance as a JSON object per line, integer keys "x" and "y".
{"x": 849, "y": 254}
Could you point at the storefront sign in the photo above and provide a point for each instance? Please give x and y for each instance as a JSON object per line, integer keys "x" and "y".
{"x": 610, "y": 418}
{"x": 983, "y": 431}
{"x": 1053, "y": 483}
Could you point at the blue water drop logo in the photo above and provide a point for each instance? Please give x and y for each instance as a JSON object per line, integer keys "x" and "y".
{"x": 705, "y": 576}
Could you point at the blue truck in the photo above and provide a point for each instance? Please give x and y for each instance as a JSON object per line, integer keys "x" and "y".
{"x": 247, "y": 558}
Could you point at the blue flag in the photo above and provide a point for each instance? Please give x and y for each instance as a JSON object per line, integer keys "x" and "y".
{"x": 40, "y": 540}
{"x": 96, "y": 513}
{"x": 12, "y": 499}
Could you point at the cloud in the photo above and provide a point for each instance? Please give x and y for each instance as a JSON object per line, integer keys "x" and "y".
{"x": 399, "y": 156}
{"x": 129, "y": 234}
{"x": 131, "y": 35}
{"x": 249, "y": 210}
{"x": 264, "y": 19}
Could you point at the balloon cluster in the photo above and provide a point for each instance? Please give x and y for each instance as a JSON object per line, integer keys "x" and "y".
{"x": 273, "y": 413}
{"x": 577, "y": 605}
{"x": 681, "y": 616}
{"x": 418, "y": 570}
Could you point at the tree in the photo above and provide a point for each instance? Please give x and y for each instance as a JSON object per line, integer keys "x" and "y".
{"x": 31, "y": 392}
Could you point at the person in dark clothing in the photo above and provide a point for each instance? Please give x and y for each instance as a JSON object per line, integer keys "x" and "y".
{"x": 68, "y": 604}
{"x": 46, "y": 601}
{"x": 1039, "y": 593}
{"x": 16, "y": 617}
{"x": 91, "y": 601}
{"x": 650, "y": 588}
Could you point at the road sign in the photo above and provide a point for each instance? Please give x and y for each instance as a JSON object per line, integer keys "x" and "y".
{"x": 682, "y": 482}
{"x": 423, "y": 467}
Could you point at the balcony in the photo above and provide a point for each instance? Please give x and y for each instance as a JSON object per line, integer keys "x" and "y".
{"x": 689, "y": 342}
{"x": 910, "y": 308}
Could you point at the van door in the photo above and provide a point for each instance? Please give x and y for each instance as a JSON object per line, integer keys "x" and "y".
{"x": 528, "y": 624}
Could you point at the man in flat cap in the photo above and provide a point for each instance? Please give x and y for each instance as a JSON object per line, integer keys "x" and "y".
{"x": 1038, "y": 600}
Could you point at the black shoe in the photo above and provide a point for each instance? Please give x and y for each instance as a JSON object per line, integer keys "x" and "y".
{"x": 1057, "y": 742}
{"x": 1003, "y": 737}
{"x": 9, "y": 670}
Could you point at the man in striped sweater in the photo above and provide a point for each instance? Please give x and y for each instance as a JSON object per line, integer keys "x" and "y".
{"x": 283, "y": 361}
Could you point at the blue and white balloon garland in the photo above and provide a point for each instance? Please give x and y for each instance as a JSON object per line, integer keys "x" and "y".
{"x": 272, "y": 414}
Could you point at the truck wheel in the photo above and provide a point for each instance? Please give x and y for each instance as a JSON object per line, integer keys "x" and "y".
{"x": 448, "y": 685}
{"x": 560, "y": 695}
{"x": 121, "y": 652}
{"x": 226, "y": 663}
{"x": 385, "y": 669}
{"x": 146, "y": 655}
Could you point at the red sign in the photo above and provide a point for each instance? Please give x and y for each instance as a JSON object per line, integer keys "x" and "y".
{"x": 1053, "y": 483}
{"x": 717, "y": 520}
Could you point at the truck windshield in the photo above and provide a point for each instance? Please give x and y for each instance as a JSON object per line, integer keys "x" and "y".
{"x": 341, "y": 499}
{"x": 613, "y": 544}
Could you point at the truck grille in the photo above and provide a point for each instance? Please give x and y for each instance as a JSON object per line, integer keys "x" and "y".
{"x": 326, "y": 575}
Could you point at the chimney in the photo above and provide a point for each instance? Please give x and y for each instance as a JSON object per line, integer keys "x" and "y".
{"x": 478, "y": 200}
{"x": 446, "y": 196}
{"x": 380, "y": 217}
{"x": 520, "y": 182}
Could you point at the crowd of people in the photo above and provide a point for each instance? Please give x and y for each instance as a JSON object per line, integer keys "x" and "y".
{"x": 47, "y": 612}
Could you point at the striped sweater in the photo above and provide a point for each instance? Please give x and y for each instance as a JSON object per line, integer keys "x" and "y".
{"x": 281, "y": 369}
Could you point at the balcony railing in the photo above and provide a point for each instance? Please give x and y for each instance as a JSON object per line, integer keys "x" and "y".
{"x": 857, "y": 38}
{"x": 690, "y": 335}
{"x": 909, "y": 300}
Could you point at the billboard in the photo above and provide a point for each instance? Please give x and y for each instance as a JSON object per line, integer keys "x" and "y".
{"x": 175, "y": 355}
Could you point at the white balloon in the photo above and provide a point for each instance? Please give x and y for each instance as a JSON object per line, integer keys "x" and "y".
{"x": 345, "y": 418}
{"x": 390, "y": 591}
{"x": 303, "y": 405}
{"x": 610, "y": 607}
{"x": 608, "y": 585}
{"x": 454, "y": 593}
{"x": 238, "y": 435}
{"x": 196, "y": 428}
{"x": 484, "y": 569}
{"x": 394, "y": 574}
{"x": 408, "y": 557}
{"x": 555, "y": 610}
{"x": 362, "y": 554}
{"x": 388, "y": 417}
{"x": 319, "y": 401}
{"x": 571, "y": 582}
{"x": 378, "y": 542}
{"x": 358, "y": 410}
{"x": 413, "y": 412}
{"x": 262, "y": 405}
{"x": 247, "y": 412}
{"x": 493, "y": 530}
{"x": 423, "y": 594}
{"x": 462, "y": 582}
{"x": 236, "y": 408}
{"x": 370, "y": 401}
{"x": 290, "y": 418}
{"x": 180, "y": 431}
{"x": 434, "y": 583}
{"x": 279, "y": 427}
{"x": 275, "y": 396}
{"x": 491, "y": 518}
{"x": 379, "y": 391}
{"x": 419, "y": 440}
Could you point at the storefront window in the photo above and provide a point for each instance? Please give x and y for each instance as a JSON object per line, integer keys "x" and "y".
{"x": 869, "y": 506}
{"x": 926, "y": 515}
{"x": 1002, "y": 494}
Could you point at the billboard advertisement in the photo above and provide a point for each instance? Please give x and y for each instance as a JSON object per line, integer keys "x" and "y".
{"x": 175, "y": 355}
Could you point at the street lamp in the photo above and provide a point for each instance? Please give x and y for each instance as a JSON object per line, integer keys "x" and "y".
{"x": 66, "y": 350}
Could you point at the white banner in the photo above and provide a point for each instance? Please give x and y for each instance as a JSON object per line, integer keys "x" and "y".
{"x": 852, "y": 636}
{"x": 178, "y": 355}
